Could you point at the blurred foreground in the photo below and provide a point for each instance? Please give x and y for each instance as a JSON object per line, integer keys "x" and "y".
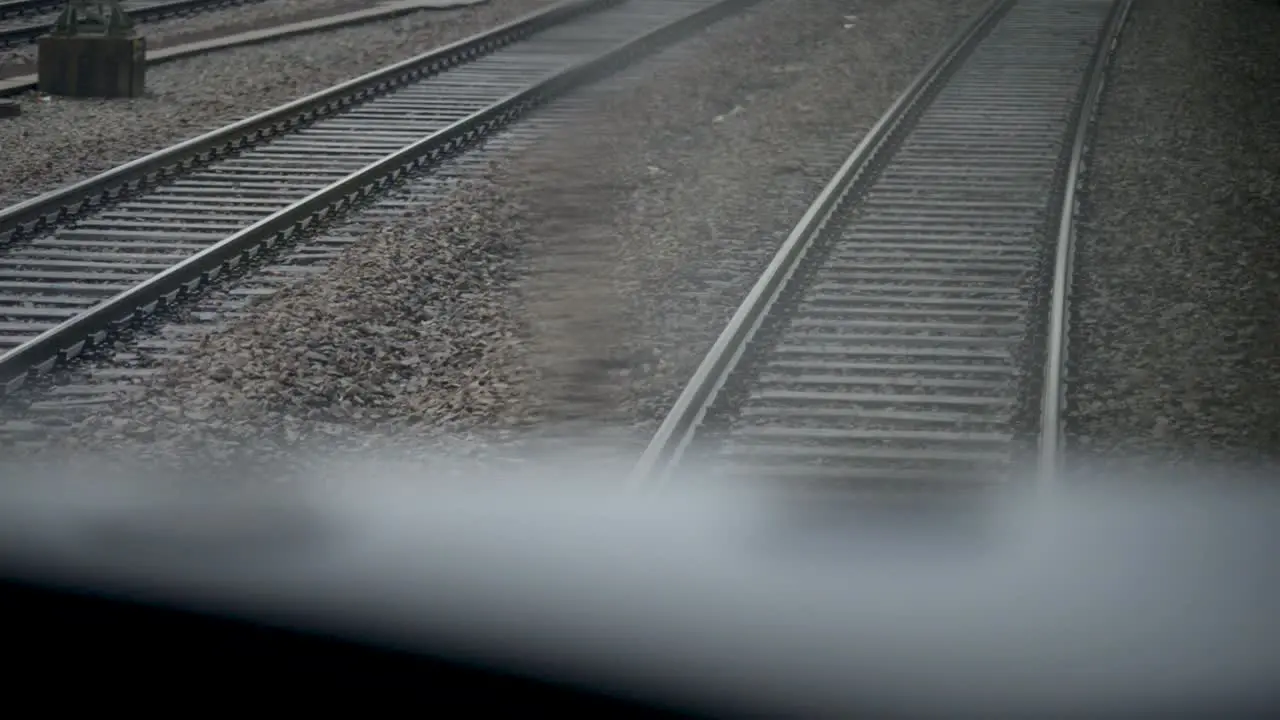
{"x": 1111, "y": 599}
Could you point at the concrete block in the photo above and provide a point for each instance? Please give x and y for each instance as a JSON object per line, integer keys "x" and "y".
{"x": 94, "y": 66}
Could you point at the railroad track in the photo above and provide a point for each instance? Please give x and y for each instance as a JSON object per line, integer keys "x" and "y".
{"x": 909, "y": 333}
{"x": 22, "y": 22}
{"x": 83, "y": 265}
{"x": 118, "y": 373}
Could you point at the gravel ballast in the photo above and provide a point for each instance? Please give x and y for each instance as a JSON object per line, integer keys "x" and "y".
{"x": 584, "y": 280}
{"x": 1175, "y": 349}
{"x": 57, "y": 141}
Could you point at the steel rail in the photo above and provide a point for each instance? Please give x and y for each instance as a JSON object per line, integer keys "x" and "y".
{"x": 17, "y": 8}
{"x": 56, "y": 206}
{"x": 1052, "y": 400}
{"x": 67, "y": 339}
{"x": 677, "y": 429}
{"x": 144, "y": 13}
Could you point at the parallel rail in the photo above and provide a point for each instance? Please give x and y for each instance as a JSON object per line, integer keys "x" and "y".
{"x": 67, "y": 204}
{"x": 908, "y": 333}
{"x": 117, "y": 373}
{"x": 83, "y": 269}
{"x": 22, "y": 8}
{"x": 23, "y": 21}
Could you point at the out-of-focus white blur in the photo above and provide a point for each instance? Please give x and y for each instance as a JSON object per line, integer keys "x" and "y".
{"x": 1120, "y": 597}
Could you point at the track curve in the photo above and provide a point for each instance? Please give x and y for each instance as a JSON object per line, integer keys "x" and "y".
{"x": 898, "y": 340}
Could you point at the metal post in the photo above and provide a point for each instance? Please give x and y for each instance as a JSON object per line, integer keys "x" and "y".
{"x": 92, "y": 50}
{"x": 93, "y": 17}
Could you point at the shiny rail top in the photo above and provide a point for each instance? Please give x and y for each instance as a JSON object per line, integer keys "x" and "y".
{"x": 904, "y": 347}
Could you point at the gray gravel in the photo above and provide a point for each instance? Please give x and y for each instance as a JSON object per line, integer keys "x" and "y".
{"x": 411, "y": 328}
{"x": 59, "y": 141}
{"x": 585, "y": 280}
{"x": 676, "y": 226}
{"x": 1176, "y": 346}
